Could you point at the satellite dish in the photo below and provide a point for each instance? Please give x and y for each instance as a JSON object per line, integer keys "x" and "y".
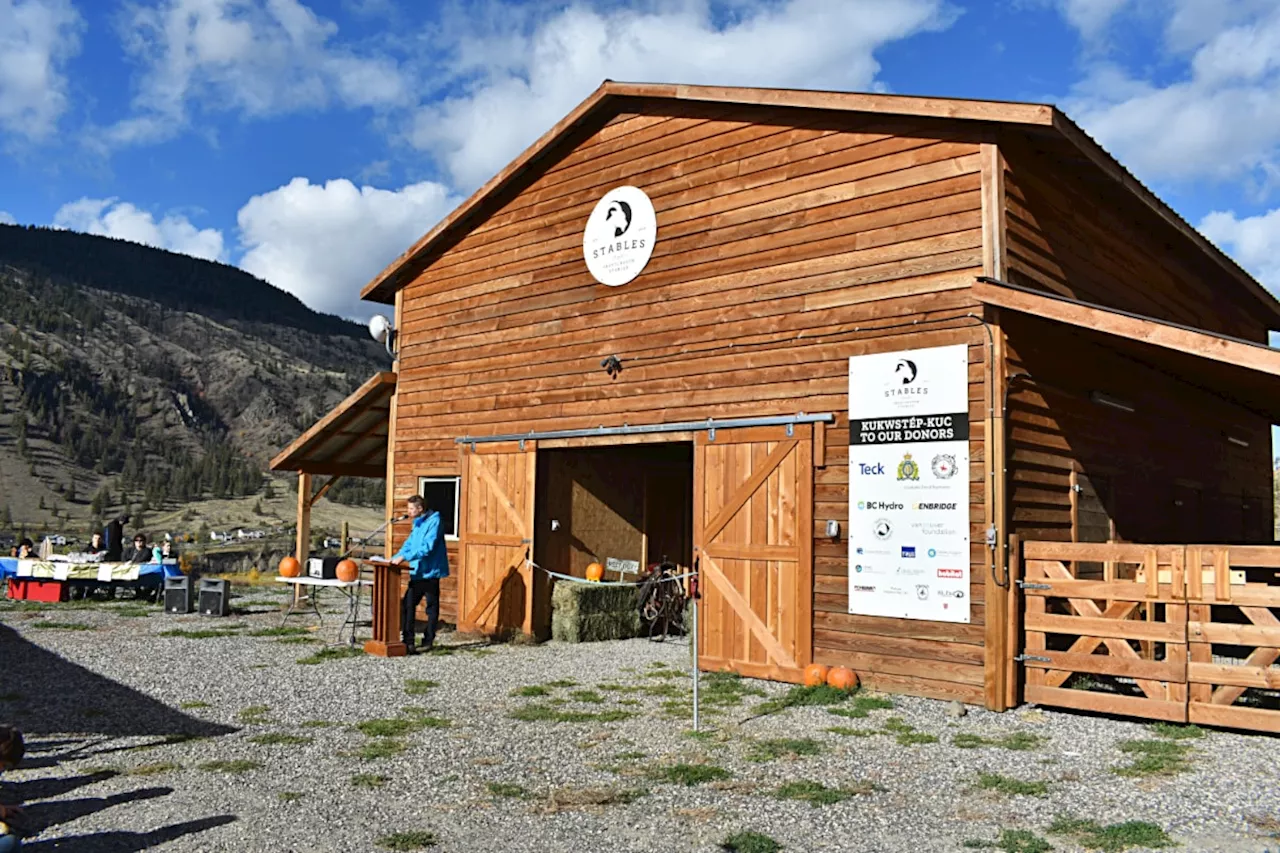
{"x": 379, "y": 327}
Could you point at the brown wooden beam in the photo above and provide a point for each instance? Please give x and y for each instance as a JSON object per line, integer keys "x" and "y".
{"x": 325, "y": 488}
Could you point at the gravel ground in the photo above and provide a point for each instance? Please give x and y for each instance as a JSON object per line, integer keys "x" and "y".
{"x": 123, "y": 721}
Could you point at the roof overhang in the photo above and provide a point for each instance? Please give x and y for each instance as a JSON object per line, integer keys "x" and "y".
{"x": 1243, "y": 372}
{"x": 351, "y": 440}
{"x": 1043, "y": 118}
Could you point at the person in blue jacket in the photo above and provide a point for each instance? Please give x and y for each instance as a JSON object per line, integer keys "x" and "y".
{"x": 424, "y": 552}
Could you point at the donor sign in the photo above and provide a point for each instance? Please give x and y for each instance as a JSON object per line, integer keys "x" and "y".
{"x": 619, "y": 236}
{"x": 909, "y": 484}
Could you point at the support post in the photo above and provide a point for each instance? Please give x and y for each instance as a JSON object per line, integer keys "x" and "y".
{"x": 302, "y": 542}
{"x": 693, "y": 597}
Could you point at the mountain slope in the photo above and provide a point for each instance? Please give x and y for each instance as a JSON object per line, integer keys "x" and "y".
{"x": 138, "y": 390}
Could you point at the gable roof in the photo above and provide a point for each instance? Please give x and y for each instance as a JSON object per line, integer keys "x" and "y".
{"x": 1042, "y": 116}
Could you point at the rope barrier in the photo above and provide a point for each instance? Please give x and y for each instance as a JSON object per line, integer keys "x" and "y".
{"x": 572, "y": 579}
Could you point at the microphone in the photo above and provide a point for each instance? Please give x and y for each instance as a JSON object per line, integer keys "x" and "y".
{"x": 400, "y": 518}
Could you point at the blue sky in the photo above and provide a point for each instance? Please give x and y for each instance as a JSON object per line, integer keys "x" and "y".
{"x": 310, "y": 143}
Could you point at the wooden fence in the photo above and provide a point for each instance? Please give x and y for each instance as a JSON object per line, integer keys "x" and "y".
{"x": 1184, "y": 633}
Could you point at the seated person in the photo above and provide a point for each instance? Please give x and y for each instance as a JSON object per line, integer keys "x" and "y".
{"x": 95, "y": 544}
{"x": 167, "y": 551}
{"x": 140, "y": 552}
{"x": 24, "y": 550}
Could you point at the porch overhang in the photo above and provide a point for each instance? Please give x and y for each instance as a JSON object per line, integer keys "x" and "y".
{"x": 1243, "y": 372}
{"x": 351, "y": 440}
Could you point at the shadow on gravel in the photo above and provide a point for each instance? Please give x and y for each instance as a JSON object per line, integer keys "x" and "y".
{"x": 46, "y": 789}
{"x": 127, "y": 842}
{"x": 40, "y": 816}
{"x": 58, "y": 697}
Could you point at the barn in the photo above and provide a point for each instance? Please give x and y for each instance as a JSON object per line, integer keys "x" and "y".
{"x": 867, "y": 363}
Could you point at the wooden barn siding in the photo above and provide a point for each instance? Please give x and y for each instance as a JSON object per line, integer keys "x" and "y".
{"x": 772, "y": 237}
{"x": 936, "y": 659}
{"x": 1090, "y": 240}
{"x": 1173, "y": 443}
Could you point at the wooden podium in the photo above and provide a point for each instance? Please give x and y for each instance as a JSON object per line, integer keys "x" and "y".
{"x": 386, "y": 640}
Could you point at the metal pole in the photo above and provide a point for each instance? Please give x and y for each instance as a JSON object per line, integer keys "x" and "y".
{"x": 694, "y": 598}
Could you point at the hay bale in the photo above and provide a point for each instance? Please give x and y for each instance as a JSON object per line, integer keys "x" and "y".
{"x": 584, "y": 613}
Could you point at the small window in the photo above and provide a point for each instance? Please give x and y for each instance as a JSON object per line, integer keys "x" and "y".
{"x": 441, "y": 494}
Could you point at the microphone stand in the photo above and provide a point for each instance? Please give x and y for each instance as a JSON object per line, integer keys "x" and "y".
{"x": 373, "y": 533}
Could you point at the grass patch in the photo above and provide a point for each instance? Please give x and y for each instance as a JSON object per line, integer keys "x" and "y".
{"x": 531, "y": 691}
{"x": 774, "y": 748}
{"x": 153, "y": 769}
{"x": 845, "y": 731}
{"x": 1012, "y": 841}
{"x": 750, "y": 842}
{"x": 368, "y": 780}
{"x": 399, "y": 726}
{"x": 666, "y": 690}
{"x": 633, "y": 755}
{"x": 1154, "y": 758}
{"x": 11, "y": 697}
{"x": 1017, "y": 741}
{"x": 60, "y": 626}
{"x": 280, "y": 631}
{"x": 317, "y": 724}
{"x": 290, "y": 796}
{"x": 915, "y": 738}
{"x": 723, "y": 689}
{"x": 415, "y": 840}
{"x": 254, "y": 714}
{"x": 589, "y": 696}
{"x": 331, "y": 653}
{"x": 549, "y": 714}
{"x": 1010, "y": 786}
{"x": 383, "y": 747}
{"x": 507, "y": 789}
{"x": 133, "y": 612}
{"x": 419, "y": 686}
{"x": 239, "y": 765}
{"x": 818, "y": 794}
{"x": 563, "y": 798}
{"x": 279, "y": 739}
{"x": 191, "y": 706}
{"x": 691, "y": 774}
{"x": 562, "y": 682}
{"x": 297, "y": 641}
{"x": 199, "y": 633}
{"x": 799, "y": 696}
{"x": 1170, "y": 731}
{"x": 1113, "y": 838}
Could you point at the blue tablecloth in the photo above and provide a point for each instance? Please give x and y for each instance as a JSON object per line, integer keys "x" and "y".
{"x": 9, "y": 569}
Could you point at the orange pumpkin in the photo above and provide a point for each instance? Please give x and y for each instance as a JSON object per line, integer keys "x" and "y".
{"x": 290, "y": 567}
{"x": 347, "y": 570}
{"x": 595, "y": 572}
{"x": 842, "y": 678}
{"x": 815, "y": 675}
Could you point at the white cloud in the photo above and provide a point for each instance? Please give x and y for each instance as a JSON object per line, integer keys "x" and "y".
{"x": 322, "y": 243}
{"x": 37, "y": 37}
{"x": 521, "y": 74}
{"x": 1090, "y": 17}
{"x": 7, "y": 218}
{"x": 1220, "y": 119}
{"x": 1254, "y": 241}
{"x": 110, "y": 217}
{"x": 249, "y": 57}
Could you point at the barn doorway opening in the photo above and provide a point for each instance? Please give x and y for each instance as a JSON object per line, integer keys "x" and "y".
{"x": 624, "y": 507}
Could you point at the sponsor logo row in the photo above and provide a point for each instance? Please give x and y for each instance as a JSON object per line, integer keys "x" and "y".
{"x": 910, "y": 571}
{"x": 922, "y": 591}
{"x": 943, "y": 467}
{"x": 895, "y": 505}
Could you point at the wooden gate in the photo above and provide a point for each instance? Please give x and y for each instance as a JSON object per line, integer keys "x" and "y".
{"x": 753, "y": 535}
{"x": 1185, "y": 633}
{"x": 495, "y": 580}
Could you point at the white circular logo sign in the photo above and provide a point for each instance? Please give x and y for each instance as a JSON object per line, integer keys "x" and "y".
{"x": 619, "y": 236}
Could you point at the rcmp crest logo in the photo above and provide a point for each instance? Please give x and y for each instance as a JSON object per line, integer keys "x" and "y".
{"x": 908, "y": 469}
{"x": 944, "y": 466}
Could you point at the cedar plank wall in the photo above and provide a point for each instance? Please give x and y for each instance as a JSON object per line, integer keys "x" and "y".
{"x": 1170, "y": 449}
{"x": 1086, "y": 239}
{"x": 772, "y": 225}
{"x": 1074, "y": 232}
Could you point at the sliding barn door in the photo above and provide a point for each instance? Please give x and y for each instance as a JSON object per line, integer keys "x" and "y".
{"x": 753, "y": 529}
{"x": 495, "y": 580}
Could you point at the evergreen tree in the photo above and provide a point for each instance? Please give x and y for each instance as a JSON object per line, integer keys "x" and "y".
{"x": 6, "y": 517}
